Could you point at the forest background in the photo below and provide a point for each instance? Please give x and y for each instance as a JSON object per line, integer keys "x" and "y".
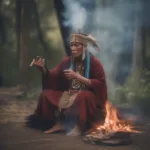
{"x": 30, "y": 28}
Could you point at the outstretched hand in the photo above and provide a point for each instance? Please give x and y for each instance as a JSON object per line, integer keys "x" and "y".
{"x": 70, "y": 74}
{"x": 39, "y": 62}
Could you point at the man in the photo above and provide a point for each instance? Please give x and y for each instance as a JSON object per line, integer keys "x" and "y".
{"x": 74, "y": 89}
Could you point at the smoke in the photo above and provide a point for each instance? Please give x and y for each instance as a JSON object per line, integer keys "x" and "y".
{"x": 75, "y": 15}
{"x": 113, "y": 25}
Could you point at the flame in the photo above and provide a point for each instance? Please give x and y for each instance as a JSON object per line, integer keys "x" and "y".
{"x": 112, "y": 123}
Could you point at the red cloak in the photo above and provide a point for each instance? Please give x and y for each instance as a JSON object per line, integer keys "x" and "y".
{"x": 54, "y": 83}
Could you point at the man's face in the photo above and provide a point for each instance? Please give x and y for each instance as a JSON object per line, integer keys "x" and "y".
{"x": 77, "y": 49}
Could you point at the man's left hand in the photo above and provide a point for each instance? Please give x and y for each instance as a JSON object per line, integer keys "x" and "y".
{"x": 70, "y": 74}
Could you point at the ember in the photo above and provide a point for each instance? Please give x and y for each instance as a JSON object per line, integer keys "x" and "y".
{"x": 113, "y": 131}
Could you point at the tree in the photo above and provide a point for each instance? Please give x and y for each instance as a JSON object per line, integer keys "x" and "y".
{"x": 2, "y": 28}
{"x": 23, "y": 24}
{"x": 60, "y": 9}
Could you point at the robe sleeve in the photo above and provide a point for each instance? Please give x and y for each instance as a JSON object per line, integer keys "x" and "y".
{"x": 51, "y": 79}
{"x": 98, "y": 82}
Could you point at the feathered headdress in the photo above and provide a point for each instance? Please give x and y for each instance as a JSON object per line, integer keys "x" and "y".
{"x": 84, "y": 39}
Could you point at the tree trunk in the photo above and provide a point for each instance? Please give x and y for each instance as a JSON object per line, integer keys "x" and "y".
{"x": 145, "y": 32}
{"x": 137, "y": 44}
{"x": 39, "y": 29}
{"x": 137, "y": 51}
{"x": 2, "y": 27}
{"x": 65, "y": 31}
{"x": 24, "y": 21}
{"x": 144, "y": 48}
{"x": 18, "y": 28}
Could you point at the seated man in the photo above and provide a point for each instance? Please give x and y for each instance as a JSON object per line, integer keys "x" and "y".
{"x": 74, "y": 88}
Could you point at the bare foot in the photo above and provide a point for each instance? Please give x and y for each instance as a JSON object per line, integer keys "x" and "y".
{"x": 56, "y": 127}
{"x": 75, "y": 131}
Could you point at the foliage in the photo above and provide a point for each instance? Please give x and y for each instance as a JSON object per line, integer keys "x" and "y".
{"x": 51, "y": 35}
{"x": 136, "y": 91}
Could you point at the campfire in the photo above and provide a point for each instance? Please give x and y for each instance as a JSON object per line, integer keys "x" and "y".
{"x": 114, "y": 131}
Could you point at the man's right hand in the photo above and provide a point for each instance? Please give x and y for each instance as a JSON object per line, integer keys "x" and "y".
{"x": 39, "y": 62}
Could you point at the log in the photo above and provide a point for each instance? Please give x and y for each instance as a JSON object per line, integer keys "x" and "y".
{"x": 110, "y": 139}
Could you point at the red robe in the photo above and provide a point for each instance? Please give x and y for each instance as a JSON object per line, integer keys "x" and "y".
{"x": 54, "y": 83}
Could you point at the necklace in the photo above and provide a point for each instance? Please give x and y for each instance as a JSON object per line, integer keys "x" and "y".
{"x": 76, "y": 85}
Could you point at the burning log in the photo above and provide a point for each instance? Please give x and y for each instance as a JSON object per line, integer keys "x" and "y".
{"x": 112, "y": 132}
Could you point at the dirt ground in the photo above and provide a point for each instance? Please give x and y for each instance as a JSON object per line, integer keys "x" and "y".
{"x": 14, "y": 135}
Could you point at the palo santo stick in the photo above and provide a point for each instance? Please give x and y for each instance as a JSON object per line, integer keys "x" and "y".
{"x": 36, "y": 59}
{"x": 32, "y": 63}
